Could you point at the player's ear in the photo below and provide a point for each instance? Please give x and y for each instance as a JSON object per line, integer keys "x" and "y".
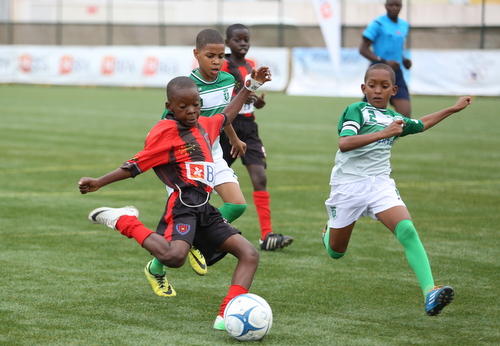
{"x": 394, "y": 90}
{"x": 196, "y": 54}
{"x": 363, "y": 88}
{"x": 167, "y": 106}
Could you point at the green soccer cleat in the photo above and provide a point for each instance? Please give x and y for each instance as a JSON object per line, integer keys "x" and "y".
{"x": 219, "y": 323}
{"x": 197, "y": 261}
{"x": 159, "y": 283}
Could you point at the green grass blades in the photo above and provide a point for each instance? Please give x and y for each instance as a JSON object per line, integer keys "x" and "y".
{"x": 68, "y": 282}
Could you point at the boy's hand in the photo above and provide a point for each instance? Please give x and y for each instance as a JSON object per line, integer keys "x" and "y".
{"x": 238, "y": 148}
{"x": 394, "y": 129}
{"x": 259, "y": 101}
{"x": 462, "y": 102}
{"x": 263, "y": 74}
{"x": 88, "y": 185}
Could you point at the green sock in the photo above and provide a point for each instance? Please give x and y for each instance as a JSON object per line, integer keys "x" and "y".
{"x": 415, "y": 254}
{"x": 231, "y": 211}
{"x": 333, "y": 254}
{"x": 156, "y": 267}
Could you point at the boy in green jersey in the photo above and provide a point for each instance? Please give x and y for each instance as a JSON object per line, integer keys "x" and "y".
{"x": 360, "y": 182}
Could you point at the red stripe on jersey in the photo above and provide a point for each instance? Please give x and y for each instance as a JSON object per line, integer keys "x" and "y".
{"x": 170, "y": 145}
{"x": 239, "y": 72}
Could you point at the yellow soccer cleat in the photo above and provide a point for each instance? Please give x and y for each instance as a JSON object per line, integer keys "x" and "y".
{"x": 197, "y": 261}
{"x": 159, "y": 283}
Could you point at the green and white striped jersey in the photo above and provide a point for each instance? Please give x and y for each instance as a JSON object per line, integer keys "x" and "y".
{"x": 373, "y": 159}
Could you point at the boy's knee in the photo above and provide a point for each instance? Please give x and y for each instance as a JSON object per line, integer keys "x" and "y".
{"x": 172, "y": 260}
{"x": 405, "y": 231}
{"x": 237, "y": 209}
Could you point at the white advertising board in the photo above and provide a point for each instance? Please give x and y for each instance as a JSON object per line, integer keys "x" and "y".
{"x": 144, "y": 66}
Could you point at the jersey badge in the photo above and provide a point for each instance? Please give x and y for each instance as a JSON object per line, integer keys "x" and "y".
{"x": 182, "y": 228}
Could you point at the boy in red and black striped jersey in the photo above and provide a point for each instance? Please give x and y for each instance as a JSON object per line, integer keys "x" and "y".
{"x": 178, "y": 148}
{"x": 254, "y": 159}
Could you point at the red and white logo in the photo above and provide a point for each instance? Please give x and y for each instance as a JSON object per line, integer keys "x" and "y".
{"x": 150, "y": 66}
{"x": 25, "y": 62}
{"x": 108, "y": 65}
{"x": 201, "y": 171}
{"x": 66, "y": 64}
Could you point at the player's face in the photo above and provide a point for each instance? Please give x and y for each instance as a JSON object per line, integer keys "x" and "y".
{"x": 379, "y": 88}
{"x": 186, "y": 106}
{"x": 239, "y": 42}
{"x": 393, "y": 8}
{"x": 210, "y": 60}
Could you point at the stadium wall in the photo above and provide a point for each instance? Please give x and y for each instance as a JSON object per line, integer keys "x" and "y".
{"x": 264, "y": 35}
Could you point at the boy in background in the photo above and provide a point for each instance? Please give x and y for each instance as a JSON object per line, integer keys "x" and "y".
{"x": 254, "y": 159}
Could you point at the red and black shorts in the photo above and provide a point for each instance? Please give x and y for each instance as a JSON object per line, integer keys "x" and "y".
{"x": 248, "y": 131}
{"x": 188, "y": 216}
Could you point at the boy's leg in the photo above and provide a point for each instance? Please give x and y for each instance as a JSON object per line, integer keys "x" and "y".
{"x": 397, "y": 219}
{"x": 125, "y": 221}
{"x": 262, "y": 200}
{"x": 248, "y": 261}
{"x": 234, "y": 201}
{"x": 336, "y": 240}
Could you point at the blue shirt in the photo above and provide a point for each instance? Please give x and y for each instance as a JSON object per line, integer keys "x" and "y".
{"x": 388, "y": 37}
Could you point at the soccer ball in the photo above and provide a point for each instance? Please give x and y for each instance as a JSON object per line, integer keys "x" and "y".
{"x": 248, "y": 317}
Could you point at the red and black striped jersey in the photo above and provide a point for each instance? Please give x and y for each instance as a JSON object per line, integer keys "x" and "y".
{"x": 180, "y": 155}
{"x": 239, "y": 73}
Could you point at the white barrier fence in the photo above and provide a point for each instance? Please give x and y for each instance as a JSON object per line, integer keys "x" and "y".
{"x": 299, "y": 71}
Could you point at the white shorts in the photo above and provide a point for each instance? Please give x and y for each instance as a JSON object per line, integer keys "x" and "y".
{"x": 349, "y": 202}
{"x": 223, "y": 174}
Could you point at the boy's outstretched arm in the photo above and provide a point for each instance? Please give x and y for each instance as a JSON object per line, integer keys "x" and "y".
{"x": 262, "y": 75}
{"x": 93, "y": 184}
{"x": 432, "y": 119}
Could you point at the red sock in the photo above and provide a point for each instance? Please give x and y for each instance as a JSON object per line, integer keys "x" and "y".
{"x": 131, "y": 227}
{"x": 262, "y": 201}
{"x": 234, "y": 290}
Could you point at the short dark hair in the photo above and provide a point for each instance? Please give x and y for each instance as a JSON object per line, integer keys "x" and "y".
{"x": 179, "y": 83}
{"x": 208, "y": 36}
{"x": 231, "y": 28}
{"x": 381, "y": 66}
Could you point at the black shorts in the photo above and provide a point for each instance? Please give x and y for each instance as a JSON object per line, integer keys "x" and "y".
{"x": 402, "y": 87}
{"x": 248, "y": 131}
{"x": 187, "y": 217}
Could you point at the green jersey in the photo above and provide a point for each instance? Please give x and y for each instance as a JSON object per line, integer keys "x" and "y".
{"x": 372, "y": 159}
{"x": 215, "y": 96}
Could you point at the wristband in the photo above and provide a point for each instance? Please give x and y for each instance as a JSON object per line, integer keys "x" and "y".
{"x": 380, "y": 60}
{"x": 252, "y": 84}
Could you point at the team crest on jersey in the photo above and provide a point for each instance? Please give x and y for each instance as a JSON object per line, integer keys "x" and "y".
{"x": 333, "y": 211}
{"x": 226, "y": 95}
{"x": 188, "y": 148}
{"x": 201, "y": 171}
{"x": 182, "y": 228}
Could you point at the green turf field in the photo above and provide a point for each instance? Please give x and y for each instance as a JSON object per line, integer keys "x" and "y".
{"x": 68, "y": 282}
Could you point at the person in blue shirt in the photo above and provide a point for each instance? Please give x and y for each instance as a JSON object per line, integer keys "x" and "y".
{"x": 384, "y": 42}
